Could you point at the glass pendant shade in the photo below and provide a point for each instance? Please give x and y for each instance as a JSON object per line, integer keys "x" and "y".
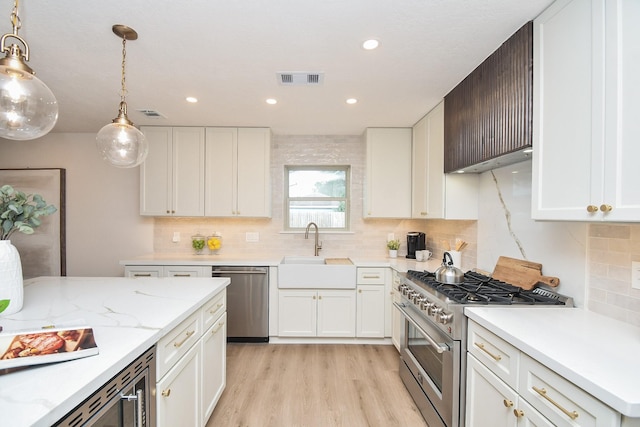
{"x": 122, "y": 145}
{"x": 28, "y": 108}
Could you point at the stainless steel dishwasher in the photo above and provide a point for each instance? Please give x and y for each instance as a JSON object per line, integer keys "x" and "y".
{"x": 247, "y": 302}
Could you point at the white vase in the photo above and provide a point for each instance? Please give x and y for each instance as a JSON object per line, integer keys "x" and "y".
{"x": 393, "y": 253}
{"x": 11, "y": 290}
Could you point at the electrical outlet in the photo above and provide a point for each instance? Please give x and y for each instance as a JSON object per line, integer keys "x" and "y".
{"x": 176, "y": 237}
{"x": 252, "y": 236}
{"x": 635, "y": 274}
{"x": 391, "y": 237}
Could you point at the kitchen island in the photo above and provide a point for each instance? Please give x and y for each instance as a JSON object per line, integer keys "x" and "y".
{"x": 128, "y": 315}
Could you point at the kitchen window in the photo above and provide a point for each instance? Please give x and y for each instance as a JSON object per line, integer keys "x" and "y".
{"x": 317, "y": 194}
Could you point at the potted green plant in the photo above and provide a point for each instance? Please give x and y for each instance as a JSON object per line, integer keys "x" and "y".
{"x": 18, "y": 212}
{"x": 393, "y": 246}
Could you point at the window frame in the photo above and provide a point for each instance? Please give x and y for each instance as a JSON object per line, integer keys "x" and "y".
{"x": 346, "y": 199}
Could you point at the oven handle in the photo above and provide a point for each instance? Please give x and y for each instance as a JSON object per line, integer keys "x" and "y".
{"x": 137, "y": 401}
{"x": 440, "y": 348}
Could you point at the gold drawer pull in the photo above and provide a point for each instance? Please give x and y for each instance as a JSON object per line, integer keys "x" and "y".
{"x": 220, "y": 325}
{"x": 542, "y": 392}
{"x": 178, "y": 344}
{"x": 182, "y": 275}
{"x": 518, "y": 413}
{"x": 166, "y": 392}
{"x": 592, "y": 208}
{"x": 606, "y": 208}
{"x": 507, "y": 403}
{"x": 141, "y": 274}
{"x": 217, "y": 308}
{"x": 481, "y": 347}
{"x": 371, "y": 276}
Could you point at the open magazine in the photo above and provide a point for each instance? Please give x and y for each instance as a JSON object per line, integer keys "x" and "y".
{"x": 45, "y": 345}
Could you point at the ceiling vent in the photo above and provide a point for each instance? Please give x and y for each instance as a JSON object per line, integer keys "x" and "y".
{"x": 300, "y": 78}
{"x": 151, "y": 113}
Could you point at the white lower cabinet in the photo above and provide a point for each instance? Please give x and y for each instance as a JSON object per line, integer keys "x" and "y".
{"x": 191, "y": 367}
{"x": 506, "y": 387}
{"x": 396, "y": 317}
{"x": 371, "y": 302}
{"x": 316, "y": 313}
{"x": 167, "y": 271}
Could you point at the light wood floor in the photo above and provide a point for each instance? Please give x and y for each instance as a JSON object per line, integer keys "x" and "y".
{"x": 314, "y": 385}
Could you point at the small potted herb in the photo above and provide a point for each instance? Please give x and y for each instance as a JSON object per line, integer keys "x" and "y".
{"x": 393, "y": 246}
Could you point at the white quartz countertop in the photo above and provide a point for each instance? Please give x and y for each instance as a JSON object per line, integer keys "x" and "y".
{"x": 128, "y": 315}
{"x": 400, "y": 264}
{"x": 597, "y": 353}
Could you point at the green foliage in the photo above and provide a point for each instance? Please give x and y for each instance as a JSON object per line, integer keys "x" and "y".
{"x": 4, "y": 303}
{"x": 394, "y": 245}
{"x": 21, "y": 212}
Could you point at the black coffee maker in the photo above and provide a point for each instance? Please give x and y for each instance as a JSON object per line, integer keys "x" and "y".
{"x": 415, "y": 242}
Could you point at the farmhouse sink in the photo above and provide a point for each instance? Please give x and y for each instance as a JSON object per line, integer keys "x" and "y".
{"x": 316, "y": 273}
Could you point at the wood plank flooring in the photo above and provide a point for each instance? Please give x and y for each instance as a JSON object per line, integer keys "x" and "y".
{"x": 314, "y": 385}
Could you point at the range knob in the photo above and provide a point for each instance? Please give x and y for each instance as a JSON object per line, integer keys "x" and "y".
{"x": 416, "y": 297}
{"x": 444, "y": 318}
{"x": 435, "y": 310}
{"x": 402, "y": 287}
{"x": 425, "y": 305}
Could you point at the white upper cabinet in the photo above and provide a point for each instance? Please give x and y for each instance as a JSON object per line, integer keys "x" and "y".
{"x": 586, "y": 128}
{"x": 434, "y": 193}
{"x": 387, "y": 190}
{"x": 172, "y": 176}
{"x": 238, "y": 180}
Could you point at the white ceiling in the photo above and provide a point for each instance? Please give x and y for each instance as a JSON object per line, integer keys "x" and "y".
{"x": 227, "y": 54}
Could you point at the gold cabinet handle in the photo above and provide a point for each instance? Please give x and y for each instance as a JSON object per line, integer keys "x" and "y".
{"x": 519, "y": 413}
{"x": 188, "y": 334}
{"x": 423, "y": 213}
{"x": 542, "y": 392}
{"x": 166, "y": 392}
{"x": 359, "y": 291}
{"x": 481, "y": 347}
{"x": 141, "y": 274}
{"x": 592, "y": 208}
{"x": 319, "y": 296}
{"x": 371, "y": 276}
{"x": 182, "y": 275}
{"x": 220, "y": 325}
{"x": 216, "y": 309}
{"x": 606, "y": 208}
{"x": 507, "y": 403}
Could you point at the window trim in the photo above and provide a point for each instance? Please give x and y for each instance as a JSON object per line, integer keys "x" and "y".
{"x": 346, "y": 199}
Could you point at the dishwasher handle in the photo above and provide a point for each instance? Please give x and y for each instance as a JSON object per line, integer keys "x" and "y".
{"x": 260, "y": 271}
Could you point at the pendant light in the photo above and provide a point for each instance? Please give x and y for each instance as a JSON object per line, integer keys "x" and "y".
{"x": 28, "y": 109}
{"x": 120, "y": 142}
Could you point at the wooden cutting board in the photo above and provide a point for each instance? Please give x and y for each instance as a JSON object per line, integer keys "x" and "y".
{"x": 525, "y": 274}
{"x": 338, "y": 261}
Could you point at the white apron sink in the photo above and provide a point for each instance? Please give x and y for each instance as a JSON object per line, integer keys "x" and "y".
{"x": 297, "y": 272}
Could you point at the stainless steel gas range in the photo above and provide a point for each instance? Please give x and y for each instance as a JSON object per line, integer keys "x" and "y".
{"x": 433, "y": 340}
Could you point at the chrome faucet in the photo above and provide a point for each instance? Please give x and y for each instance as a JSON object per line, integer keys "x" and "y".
{"x": 317, "y": 245}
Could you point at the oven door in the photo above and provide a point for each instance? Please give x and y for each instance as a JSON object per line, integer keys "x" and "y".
{"x": 128, "y": 408}
{"x": 433, "y": 359}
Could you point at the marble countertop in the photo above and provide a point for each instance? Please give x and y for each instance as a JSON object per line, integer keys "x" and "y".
{"x": 400, "y": 264}
{"x": 128, "y": 315}
{"x": 597, "y": 353}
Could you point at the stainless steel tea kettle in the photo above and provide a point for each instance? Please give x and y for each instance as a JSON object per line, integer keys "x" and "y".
{"x": 448, "y": 273}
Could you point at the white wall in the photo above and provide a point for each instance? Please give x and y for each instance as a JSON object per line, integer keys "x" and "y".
{"x": 103, "y": 224}
{"x": 505, "y": 228}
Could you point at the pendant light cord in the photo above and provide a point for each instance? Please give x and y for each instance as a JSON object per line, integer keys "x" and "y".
{"x": 15, "y": 19}
{"x": 123, "y": 93}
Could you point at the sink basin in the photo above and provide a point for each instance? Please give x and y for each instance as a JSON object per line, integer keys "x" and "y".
{"x": 314, "y": 273}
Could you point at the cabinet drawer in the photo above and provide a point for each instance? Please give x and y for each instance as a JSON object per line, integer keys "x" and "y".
{"x": 186, "y": 271}
{"x": 561, "y": 401}
{"x": 176, "y": 343}
{"x": 142, "y": 271}
{"x": 370, "y": 276}
{"x": 498, "y": 355}
{"x": 214, "y": 309}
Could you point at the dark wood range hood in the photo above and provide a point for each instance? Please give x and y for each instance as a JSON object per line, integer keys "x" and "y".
{"x": 488, "y": 116}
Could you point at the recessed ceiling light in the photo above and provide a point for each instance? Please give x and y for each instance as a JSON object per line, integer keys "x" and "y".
{"x": 370, "y": 44}
{"x": 351, "y": 101}
{"x": 192, "y": 99}
{"x": 271, "y": 101}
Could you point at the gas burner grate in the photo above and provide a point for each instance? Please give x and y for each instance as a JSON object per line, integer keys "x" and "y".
{"x": 480, "y": 289}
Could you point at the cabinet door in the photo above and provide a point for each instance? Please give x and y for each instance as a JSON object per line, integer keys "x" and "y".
{"x": 396, "y": 321}
{"x": 188, "y": 171}
{"x": 214, "y": 366}
{"x": 336, "y": 313}
{"x": 490, "y": 402}
{"x": 221, "y": 171}
{"x": 178, "y": 393}
{"x": 297, "y": 313}
{"x": 569, "y": 110}
{"x": 156, "y": 173}
{"x": 254, "y": 173}
{"x": 622, "y": 127}
{"x": 370, "y": 311}
{"x": 388, "y": 174}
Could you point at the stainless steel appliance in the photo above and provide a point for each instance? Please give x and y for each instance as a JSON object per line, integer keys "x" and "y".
{"x": 125, "y": 401}
{"x": 416, "y": 241}
{"x": 433, "y": 340}
{"x": 247, "y": 303}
